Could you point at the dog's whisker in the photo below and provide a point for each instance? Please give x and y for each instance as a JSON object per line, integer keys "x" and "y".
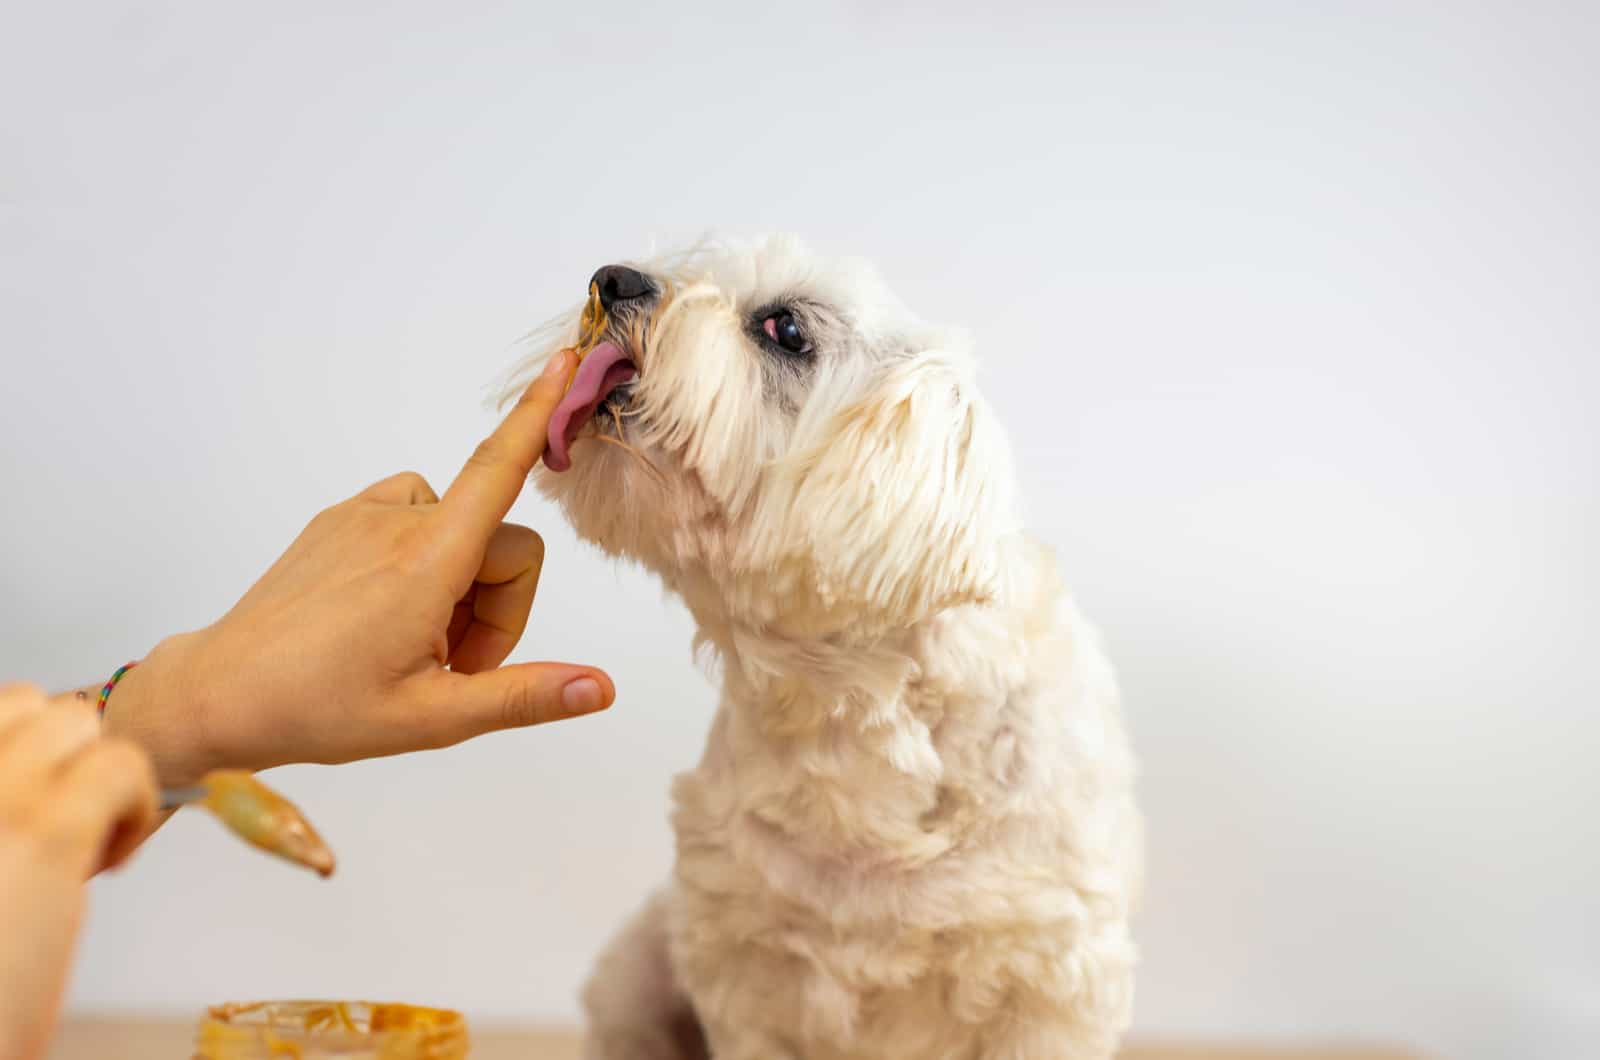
{"x": 654, "y": 471}
{"x": 649, "y": 465}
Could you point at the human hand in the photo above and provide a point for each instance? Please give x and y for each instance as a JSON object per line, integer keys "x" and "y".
{"x": 71, "y": 803}
{"x": 381, "y": 630}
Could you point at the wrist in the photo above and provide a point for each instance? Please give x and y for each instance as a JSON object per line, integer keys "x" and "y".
{"x": 161, "y": 705}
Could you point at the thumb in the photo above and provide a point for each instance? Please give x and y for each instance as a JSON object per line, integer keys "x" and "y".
{"x": 460, "y": 706}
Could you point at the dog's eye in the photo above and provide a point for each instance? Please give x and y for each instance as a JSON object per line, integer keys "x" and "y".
{"x": 781, "y": 329}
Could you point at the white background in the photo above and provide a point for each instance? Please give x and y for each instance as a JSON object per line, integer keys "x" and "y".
{"x": 1291, "y": 311}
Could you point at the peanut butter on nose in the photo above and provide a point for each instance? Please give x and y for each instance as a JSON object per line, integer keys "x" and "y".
{"x": 591, "y": 327}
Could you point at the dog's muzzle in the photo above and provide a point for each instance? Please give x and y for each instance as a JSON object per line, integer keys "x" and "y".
{"x": 603, "y": 364}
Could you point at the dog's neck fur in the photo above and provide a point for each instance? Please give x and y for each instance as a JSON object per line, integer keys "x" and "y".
{"x": 854, "y": 732}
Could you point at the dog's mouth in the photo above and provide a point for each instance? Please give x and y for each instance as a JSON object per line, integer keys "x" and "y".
{"x": 603, "y": 369}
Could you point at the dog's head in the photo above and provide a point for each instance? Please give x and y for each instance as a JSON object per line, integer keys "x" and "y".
{"x": 782, "y": 441}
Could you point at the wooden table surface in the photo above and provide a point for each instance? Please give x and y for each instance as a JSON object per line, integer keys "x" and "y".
{"x": 145, "y": 1040}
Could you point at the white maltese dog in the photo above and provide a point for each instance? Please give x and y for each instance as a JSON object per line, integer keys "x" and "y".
{"x": 912, "y": 835}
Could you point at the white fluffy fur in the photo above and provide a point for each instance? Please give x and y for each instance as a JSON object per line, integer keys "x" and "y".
{"x": 912, "y": 833}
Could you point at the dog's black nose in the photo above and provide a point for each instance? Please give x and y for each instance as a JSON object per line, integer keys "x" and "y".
{"x": 618, "y": 283}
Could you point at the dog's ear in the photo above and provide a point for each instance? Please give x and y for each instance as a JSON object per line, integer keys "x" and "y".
{"x": 902, "y": 497}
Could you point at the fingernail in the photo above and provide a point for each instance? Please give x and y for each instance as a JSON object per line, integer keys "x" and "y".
{"x": 582, "y": 696}
{"x": 556, "y": 365}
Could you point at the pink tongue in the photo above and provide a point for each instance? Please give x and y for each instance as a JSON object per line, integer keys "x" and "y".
{"x": 603, "y": 370}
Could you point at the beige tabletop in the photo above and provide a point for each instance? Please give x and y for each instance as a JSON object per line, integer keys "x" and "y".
{"x": 143, "y": 1040}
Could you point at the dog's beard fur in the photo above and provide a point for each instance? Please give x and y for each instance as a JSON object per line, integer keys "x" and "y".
{"x": 917, "y": 733}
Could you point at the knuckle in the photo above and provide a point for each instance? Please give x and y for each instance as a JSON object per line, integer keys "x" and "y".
{"x": 414, "y": 484}
{"x": 520, "y": 706}
{"x": 493, "y": 453}
{"x": 427, "y": 728}
{"x": 412, "y": 551}
{"x": 324, "y": 520}
{"x": 375, "y": 522}
{"x": 488, "y": 453}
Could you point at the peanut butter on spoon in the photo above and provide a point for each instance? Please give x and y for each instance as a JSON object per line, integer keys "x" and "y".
{"x": 263, "y": 818}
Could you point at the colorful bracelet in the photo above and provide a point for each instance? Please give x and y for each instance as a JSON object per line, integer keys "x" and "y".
{"x": 105, "y": 693}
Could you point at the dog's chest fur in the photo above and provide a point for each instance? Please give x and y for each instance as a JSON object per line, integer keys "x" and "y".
{"x": 923, "y": 848}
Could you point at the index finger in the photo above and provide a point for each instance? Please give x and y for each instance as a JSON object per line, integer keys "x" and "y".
{"x": 478, "y": 500}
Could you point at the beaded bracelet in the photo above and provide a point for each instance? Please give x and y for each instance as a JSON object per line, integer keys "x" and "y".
{"x": 105, "y": 693}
